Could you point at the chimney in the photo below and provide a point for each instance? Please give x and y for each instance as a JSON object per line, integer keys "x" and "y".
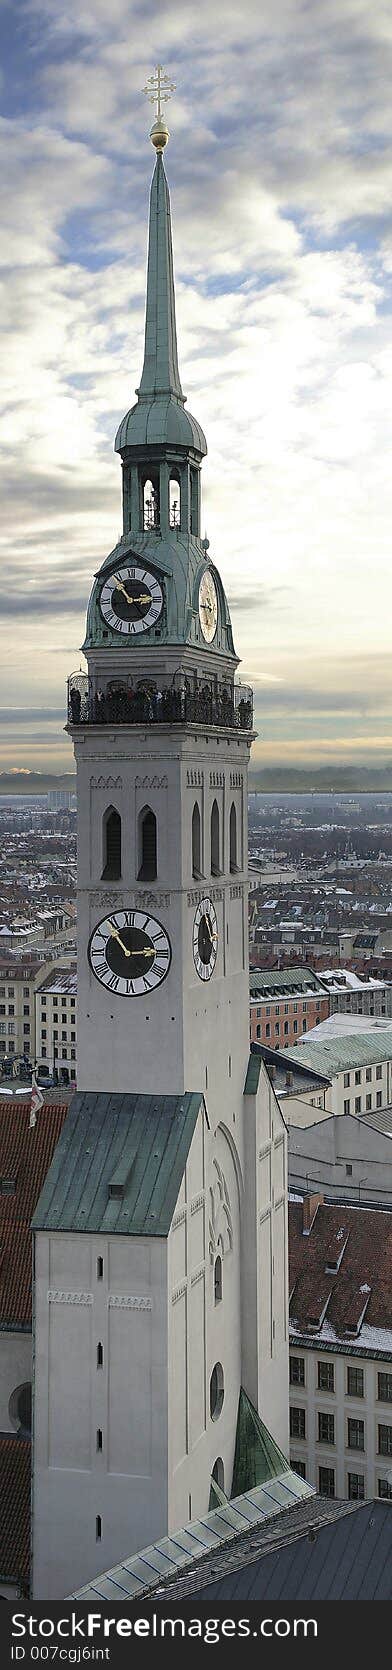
{"x": 271, "y": 1070}
{"x": 310, "y": 1204}
{"x": 289, "y": 1077}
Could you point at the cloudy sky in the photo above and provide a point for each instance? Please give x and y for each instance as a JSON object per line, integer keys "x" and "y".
{"x": 280, "y": 171}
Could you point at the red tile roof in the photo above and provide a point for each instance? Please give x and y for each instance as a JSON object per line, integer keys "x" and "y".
{"x": 25, "y": 1156}
{"x": 15, "y": 1480}
{"x": 360, "y": 1288}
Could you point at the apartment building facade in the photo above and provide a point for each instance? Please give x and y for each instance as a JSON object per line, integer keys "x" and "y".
{"x": 17, "y": 1009}
{"x": 284, "y": 1004}
{"x": 55, "y": 1024}
{"x": 341, "y": 1348}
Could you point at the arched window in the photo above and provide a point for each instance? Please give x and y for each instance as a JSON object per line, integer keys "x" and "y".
{"x": 215, "y": 842}
{"x": 174, "y": 503}
{"x": 218, "y": 1280}
{"x": 147, "y": 845}
{"x": 196, "y": 841}
{"x": 218, "y": 1472}
{"x": 151, "y": 504}
{"x": 217, "y": 1391}
{"x": 233, "y": 839}
{"x": 19, "y": 1409}
{"x": 111, "y": 845}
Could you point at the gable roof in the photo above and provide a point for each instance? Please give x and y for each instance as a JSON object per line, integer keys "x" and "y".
{"x": 15, "y": 1482}
{"x": 335, "y": 1055}
{"x": 319, "y": 1551}
{"x": 25, "y": 1155}
{"x": 341, "y": 1275}
{"x": 119, "y": 1164}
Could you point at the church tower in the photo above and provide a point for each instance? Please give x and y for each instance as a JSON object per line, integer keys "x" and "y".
{"x": 160, "y": 1236}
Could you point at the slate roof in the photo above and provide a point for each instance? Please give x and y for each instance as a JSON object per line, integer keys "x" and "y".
{"x": 25, "y": 1156}
{"x": 119, "y": 1164}
{"x": 275, "y": 982}
{"x": 326, "y": 1551}
{"x": 359, "y": 1241}
{"x": 15, "y": 1482}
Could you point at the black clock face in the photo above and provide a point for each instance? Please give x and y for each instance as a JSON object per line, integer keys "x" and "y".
{"x": 205, "y": 939}
{"x": 131, "y": 600}
{"x": 129, "y": 953}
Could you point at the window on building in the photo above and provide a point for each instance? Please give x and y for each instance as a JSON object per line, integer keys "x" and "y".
{"x": 196, "y": 841}
{"x": 297, "y": 1423}
{"x": 378, "y": 1072}
{"x": 304, "y": 1026}
{"x": 218, "y": 1473}
{"x": 357, "y": 1104}
{"x": 326, "y": 1376}
{"x": 99, "y": 1354}
{"x": 147, "y": 845}
{"x": 355, "y": 1382}
{"x": 174, "y": 503}
{"x": 295, "y": 1008}
{"x": 286, "y": 1008}
{"x": 43, "y": 1032}
{"x": 385, "y": 1440}
{"x": 295, "y": 1026}
{"x": 277, "y": 1009}
{"x": 63, "y": 1035}
{"x": 26, "y": 1028}
{"x": 349, "y": 1171}
{"x": 379, "y": 1098}
{"x": 297, "y": 1371}
{"x": 26, "y": 991}
{"x": 218, "y": 1280}
{"x": 346, "y": 1081}
{"x": 384, "y": 1387}
{"x": 26, "y": 1008}
{"x": 286, "y": 1027}
{"x": 73, "y": 1055}
{"x": 355, "y": 1434}
{"x": 346, "y": 1105}
{"x": 11, "y": 1008}
{"x": 258, "y": 1031}
{"x": 98, "y": 1528}
{"x": 215, "y": 840}
{"x": 2, "y": 1008}
{"x": 358, "y": 1077}
{"x": 277, "y": 1027}
{"x": 356, "y": 1487}
{"x": 99, "y": 1269}
{"x": 43, "y": 1052}
{"x": 217, "y": 1391}
{"x": 233, "y": 840}
{"x": 385, "y": 1490}
{"x": 299, "y": 1467}
{"x": 368, "y": 1075}
{"x": 268, "y": 1029}
{"x": 11, "y": 991}
{"x": 99, "y": 1438}
{"x": 326, "y": 1481}
{"x": 111, "y": 843}
{"x": 326, "y": 1428}
{"x": 368, "y": 1103}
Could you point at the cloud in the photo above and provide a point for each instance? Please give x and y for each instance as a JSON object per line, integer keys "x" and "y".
{"x": 281, "y": 181}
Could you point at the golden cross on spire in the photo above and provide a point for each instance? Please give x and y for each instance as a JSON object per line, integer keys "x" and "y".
{"x": 158, "y": 88}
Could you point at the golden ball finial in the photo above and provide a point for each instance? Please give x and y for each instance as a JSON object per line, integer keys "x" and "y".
{"x": 159, "y": 134}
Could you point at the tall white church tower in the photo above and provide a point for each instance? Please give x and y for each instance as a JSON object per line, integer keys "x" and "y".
{"x": 160, "y": 1236}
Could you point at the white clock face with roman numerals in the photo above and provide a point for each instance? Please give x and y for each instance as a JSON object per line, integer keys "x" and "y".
{"x": 205, "y": 939}
{"x": 129, "y": 953}
{"x": 131, "y": 599}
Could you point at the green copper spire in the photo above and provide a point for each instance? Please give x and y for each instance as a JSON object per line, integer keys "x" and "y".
{"x": 160, "y": 373}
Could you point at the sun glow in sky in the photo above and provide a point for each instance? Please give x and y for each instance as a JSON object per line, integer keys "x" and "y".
{"x": 280, "y": 172}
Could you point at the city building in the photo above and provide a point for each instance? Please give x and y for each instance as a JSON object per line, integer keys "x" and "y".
{"x": 17, "y": 1009}
{"x": 344, "y": 1159}
{"x": 358, "y": 1063}
{"x": 285, "y": 1003}
{"x": 161, "y": 1232}
{"x": 341, "y": 1348}
{"x": 351, "y": 994}
{"x": 55, "y": 1023}
{"x": 25, "y": 1154}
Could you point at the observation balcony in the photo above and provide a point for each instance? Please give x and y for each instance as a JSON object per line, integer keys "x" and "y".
{"x": 221, "y": 706}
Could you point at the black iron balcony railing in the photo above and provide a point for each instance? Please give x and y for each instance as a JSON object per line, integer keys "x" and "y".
{"x": 221, "y": 705}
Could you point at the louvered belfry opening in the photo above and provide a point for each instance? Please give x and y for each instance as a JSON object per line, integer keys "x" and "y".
{"x": 112, "y": 845}
{"x": 148, "y": 845}
{"x": 196, "y": 841}
{"x": 215, "y": 841}
{"x": 233, "y": 839}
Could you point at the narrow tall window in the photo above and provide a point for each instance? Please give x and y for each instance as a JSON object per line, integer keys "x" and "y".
{"x": 215, "y": 843}
{"x": 99, "y": 1438}
{"x": 150, "y": 504}
{"x": 111, "y": 845}
{"x": 196, "y": 841}
{"x": 218, "y": 1280}
{"x": 147, "y": 845}
{"x": 99, "y": 1354}
{"x": 98, "y": 1528}
{"x": 233, "y": 840}
{"x": 99, "y": 1269}
{"x": 174, "y": 503}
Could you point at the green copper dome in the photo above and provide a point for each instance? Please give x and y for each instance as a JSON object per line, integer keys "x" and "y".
{"x": 179, "y": 563}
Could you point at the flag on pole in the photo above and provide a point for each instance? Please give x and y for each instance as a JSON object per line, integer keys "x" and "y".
{"x": 37, "y": 1102}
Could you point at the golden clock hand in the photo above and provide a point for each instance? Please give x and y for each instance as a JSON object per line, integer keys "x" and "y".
{"x": 117, "y": 936}
{"x": 143, "y": 598}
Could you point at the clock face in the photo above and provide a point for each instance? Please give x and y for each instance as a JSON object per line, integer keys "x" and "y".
{"x": 131, "y": 599}
{"x": 205, "y": 939}
{"x": 208, "y": 606}
{"x": 129, "y": 952}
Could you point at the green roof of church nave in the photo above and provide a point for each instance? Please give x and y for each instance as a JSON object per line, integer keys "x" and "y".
{"x": 119, "y": 1164}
